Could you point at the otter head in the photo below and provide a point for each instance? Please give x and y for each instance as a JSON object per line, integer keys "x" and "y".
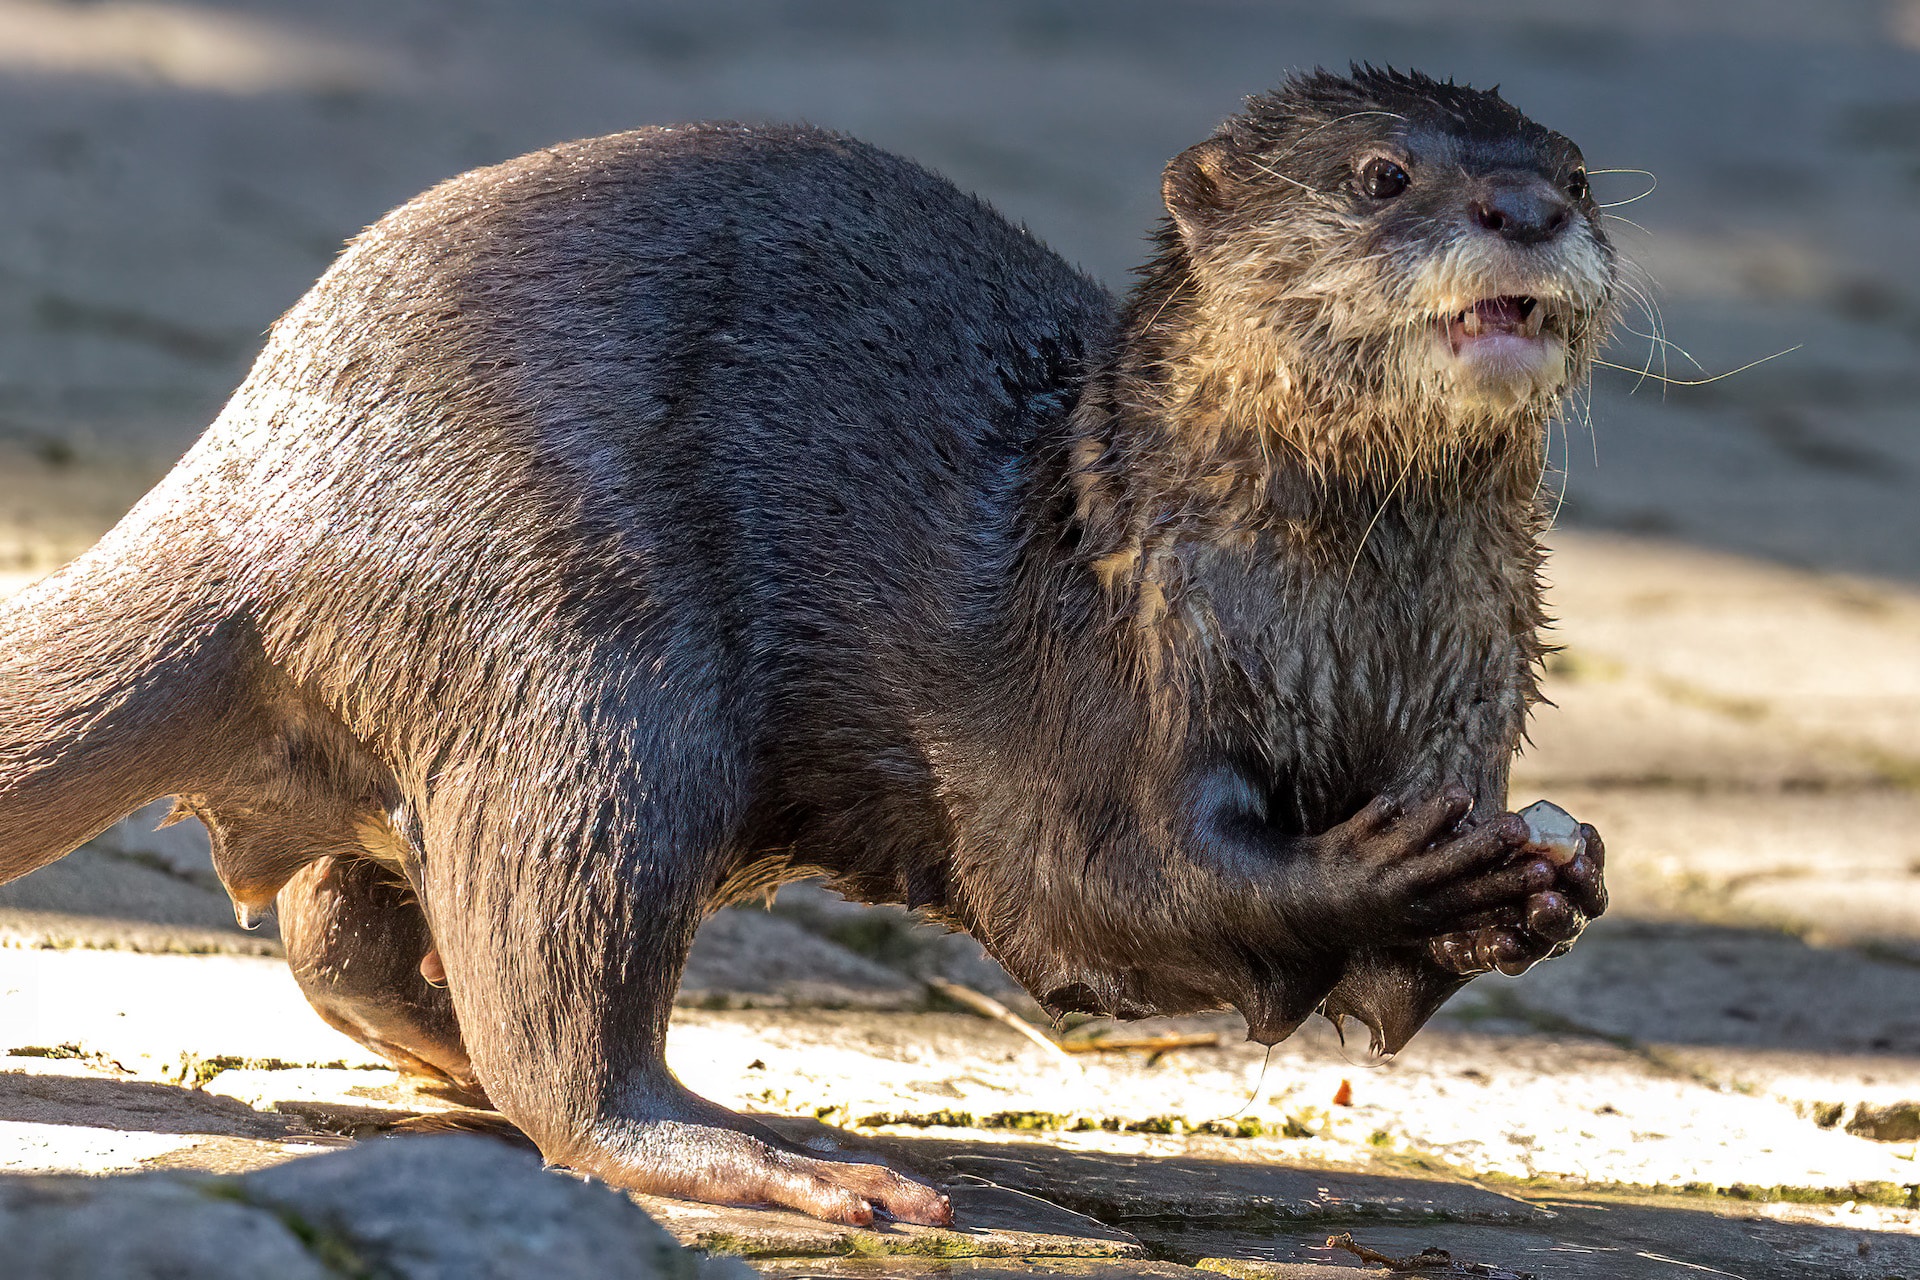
{"x": 1414, "y": 267}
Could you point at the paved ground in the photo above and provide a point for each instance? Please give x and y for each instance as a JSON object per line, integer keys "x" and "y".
{"x": 1725, "y": 1076}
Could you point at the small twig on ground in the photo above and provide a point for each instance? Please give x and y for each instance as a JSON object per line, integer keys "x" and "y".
{"x": 1428, "y": 1259}
{"x": 987, "y": 1007}
{"x": 1151, "y": 1044}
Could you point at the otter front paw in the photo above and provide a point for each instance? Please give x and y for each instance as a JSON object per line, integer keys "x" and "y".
{"x": 1395, "y": 874}
{"x": 1567, "y": 862}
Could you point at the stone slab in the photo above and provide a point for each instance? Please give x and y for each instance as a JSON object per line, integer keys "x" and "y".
{"x": 891, "y": 1268}
{"x": 1195, "y": 1181}
{"x": 894, "y": 937}
{"x": 70, "y": 1115}
{"x": 1822, "y": 658}
{"x": 989, "y": 1222}
{"x": 1688, "y": 984}
{"x": 94, "y": 897}
{"x": 332, "y": 1100}
{"x": 1494, "y": 1086}
{"x": 164, "y": 1016}
{"x": 745, "y": 958}
{"x": 1592, "y": 1240}
{"x": 1611, "y": 724}
{"x": 66, "y": 931}
{"x": 1506, "y": 1086}
{"x": 180, "y": 848}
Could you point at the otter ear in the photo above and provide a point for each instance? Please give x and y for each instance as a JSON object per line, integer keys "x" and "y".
{"x": 1194, "y": 186}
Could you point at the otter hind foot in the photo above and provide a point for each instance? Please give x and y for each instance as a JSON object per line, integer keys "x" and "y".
{"x": 693, "y": 1150}
{"x": 853, "y": 1192}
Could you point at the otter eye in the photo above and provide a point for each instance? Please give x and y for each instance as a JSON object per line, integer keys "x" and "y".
{"x": 1382, "y": 179}
{"x": 1577, "y": 184}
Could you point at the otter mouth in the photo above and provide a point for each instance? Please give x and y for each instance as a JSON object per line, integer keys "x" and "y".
{"x": 1509, "y": 316}
{"x": 1509, "y": 343}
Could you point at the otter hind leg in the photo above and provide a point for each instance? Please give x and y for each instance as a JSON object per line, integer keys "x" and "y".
{"x": 562, "y": 901}
{"x": 356, "y": 940}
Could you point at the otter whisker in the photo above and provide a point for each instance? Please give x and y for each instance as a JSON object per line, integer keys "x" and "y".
{"x": 1560, "y": 496}
{"x": 1274, "y": 173}
{"x": 1546, "y": 458}
{"x": 1629, "y": 221}
{"x": 1172, "y": 293}
{"x": 1378, "y": 512}
{"x": 1656, "y": 325}
{"x": 1615, "y": 204}
{"x": 1586, "y": 419}
{"x": 1699, "y": 382}
{"x": 1318, "y": 129}
{"x": 1654, "y": 322}
{"x": 1260, "y": 1082}
{"x": 1646, "y": 173}
{"x": 1666, "y": 342}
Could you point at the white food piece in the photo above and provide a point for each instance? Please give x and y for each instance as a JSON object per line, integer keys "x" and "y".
{"x": 1552, "y": 831}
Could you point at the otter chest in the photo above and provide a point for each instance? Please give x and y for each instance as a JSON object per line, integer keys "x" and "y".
{"x": 1328, "y": 689}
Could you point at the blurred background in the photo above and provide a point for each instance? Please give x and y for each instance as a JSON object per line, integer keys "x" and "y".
{"x": 1738, "y": 563}
{"x": 176, "y": 175}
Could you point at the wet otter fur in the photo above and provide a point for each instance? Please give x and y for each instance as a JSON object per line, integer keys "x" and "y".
{"x": 625, "y": 529}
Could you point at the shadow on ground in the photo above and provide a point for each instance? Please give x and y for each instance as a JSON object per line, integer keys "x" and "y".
{"x": 1187, "y": 1210}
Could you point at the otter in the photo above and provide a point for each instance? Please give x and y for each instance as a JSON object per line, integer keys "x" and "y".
{"x": 631, "y": 527}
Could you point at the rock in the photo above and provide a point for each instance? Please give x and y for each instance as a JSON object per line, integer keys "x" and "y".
{"x": 450, "y": 1207}
{"x": 157, "y": 1227}
{"x": 1554, "y": 831}
{"x": 1896, "y": 1122}
{"x": 457, "y": 1207}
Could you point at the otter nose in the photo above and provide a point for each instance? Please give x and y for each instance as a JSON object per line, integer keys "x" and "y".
{"x": 1523, "y": 213}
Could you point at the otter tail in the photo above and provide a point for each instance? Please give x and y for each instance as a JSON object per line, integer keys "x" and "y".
{"x": 114, "y": 676}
